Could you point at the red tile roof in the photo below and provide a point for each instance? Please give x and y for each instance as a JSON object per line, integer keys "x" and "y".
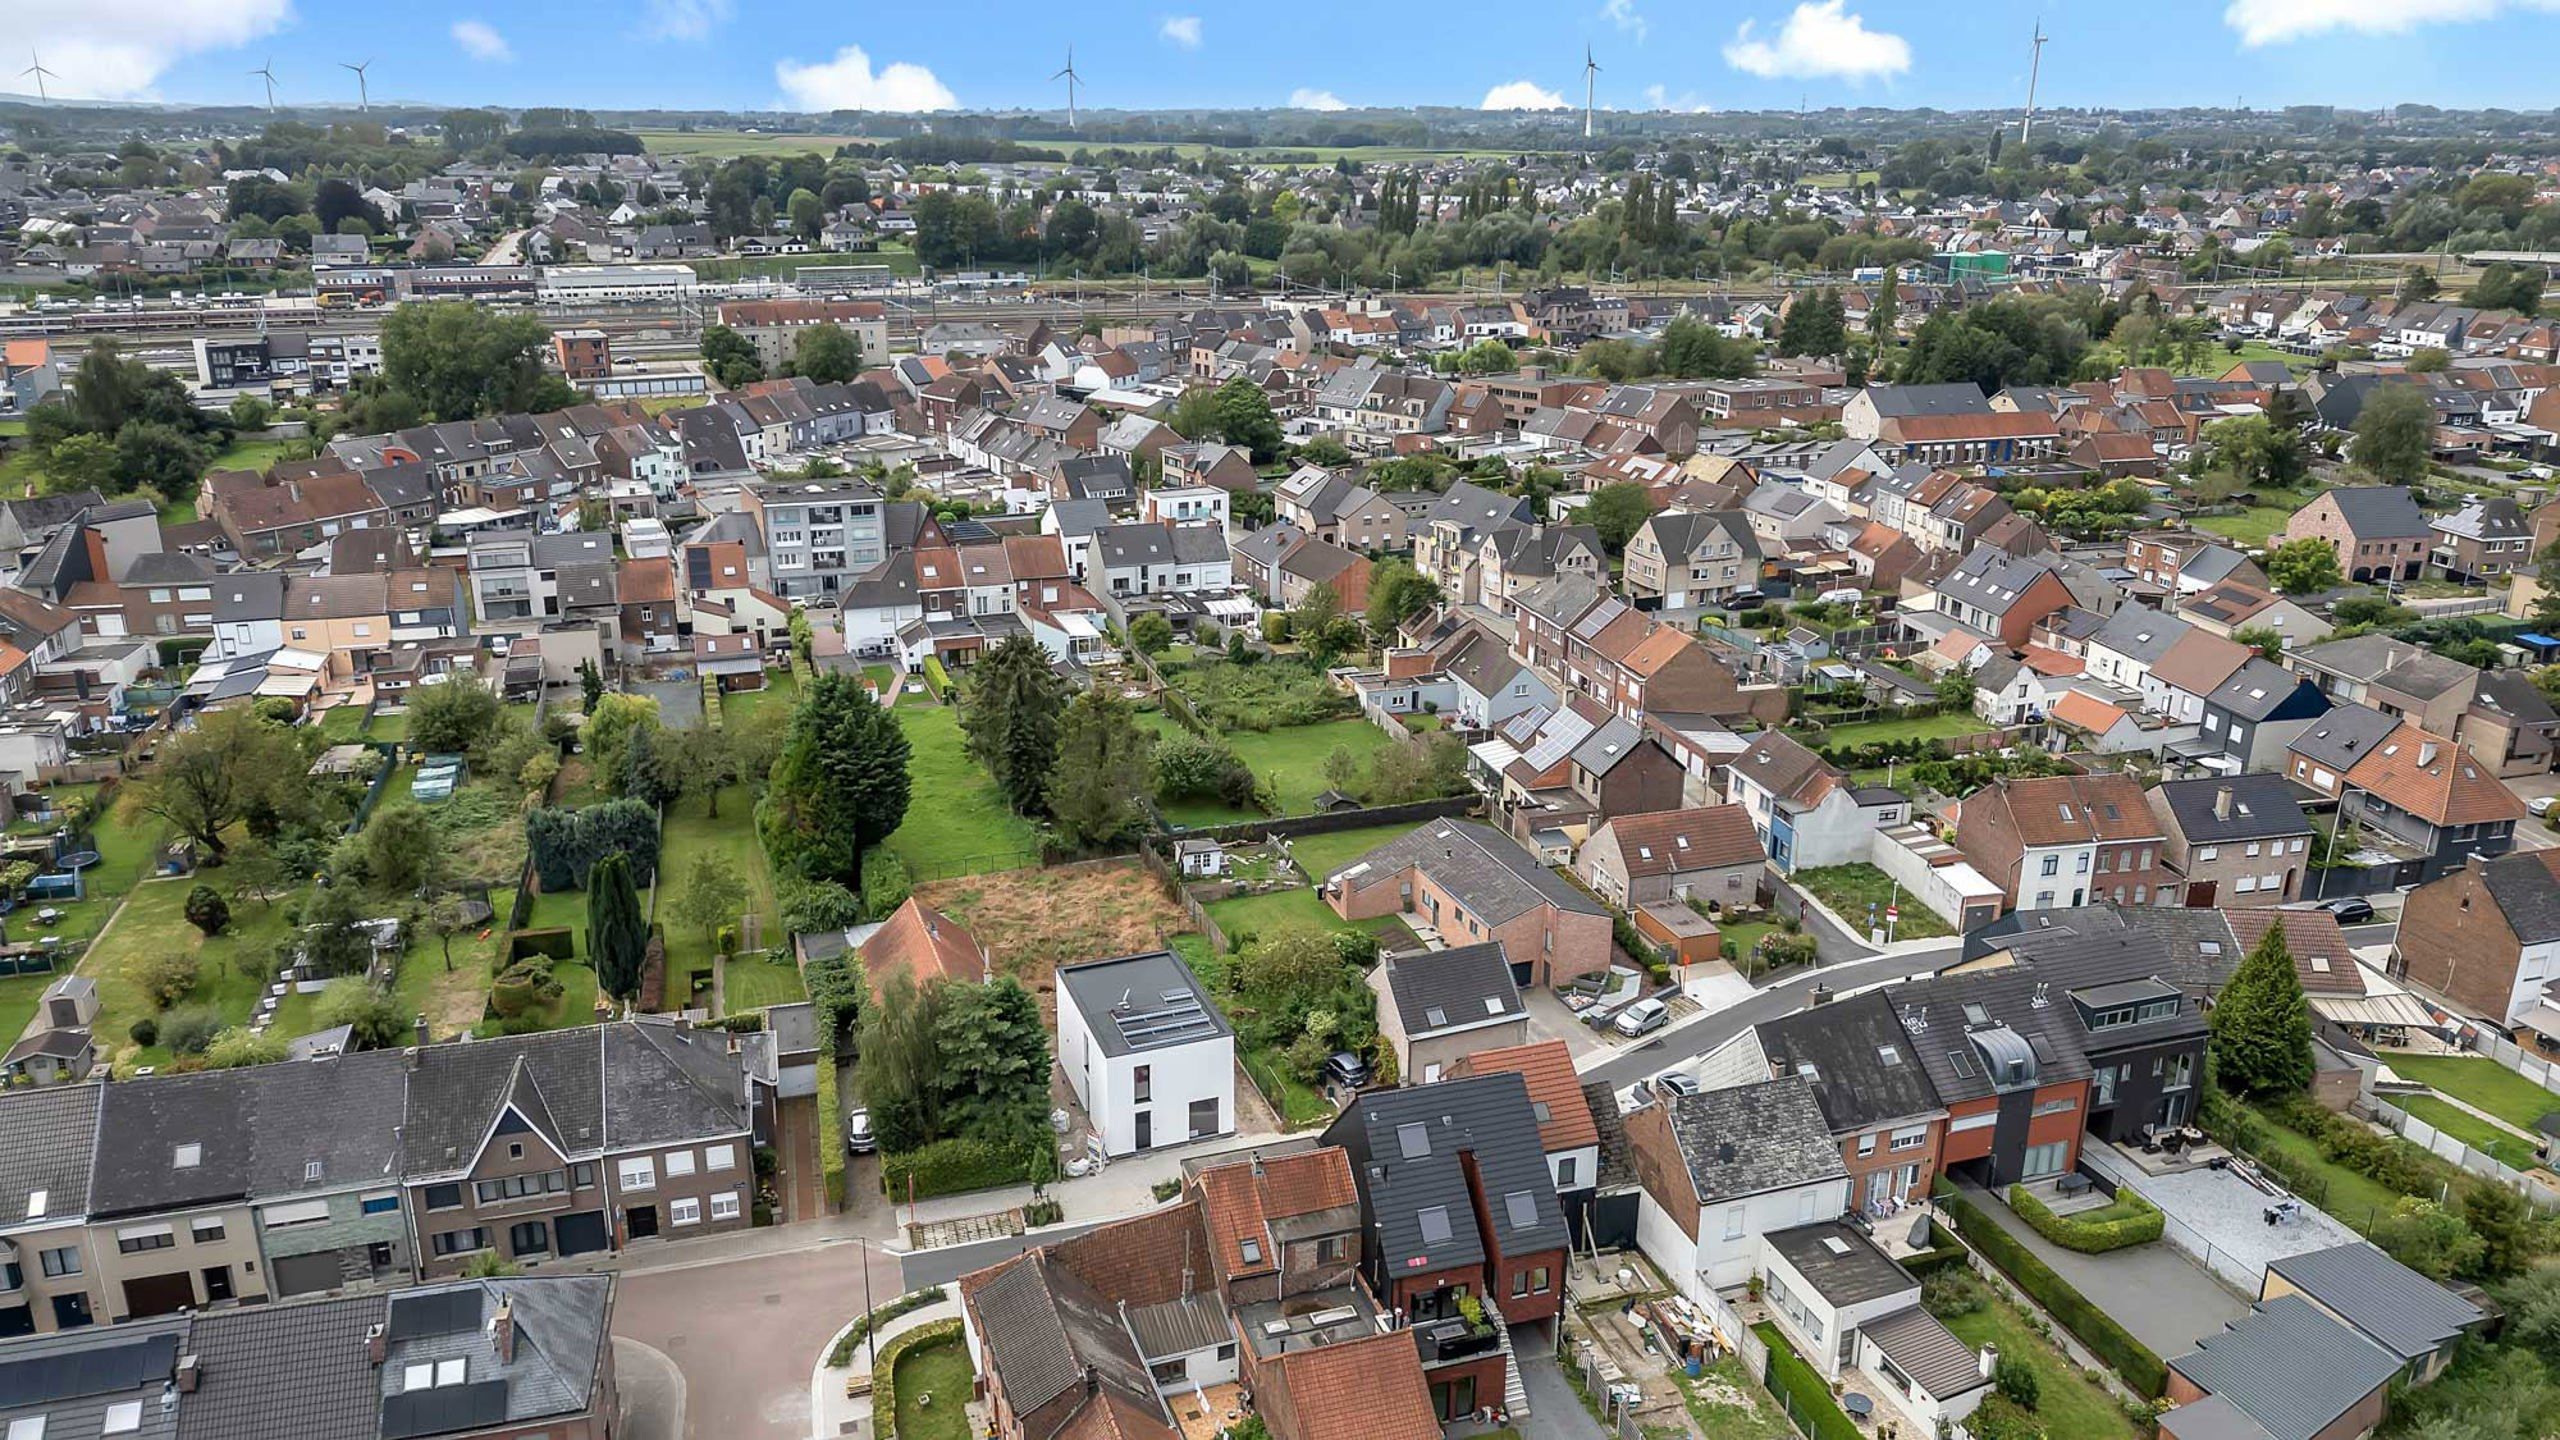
{"x": 1239, "y": 1201}
{"x": 1547, "y": 1066}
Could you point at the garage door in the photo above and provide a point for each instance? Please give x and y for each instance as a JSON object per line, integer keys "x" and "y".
{"x": 303, "y": 1274}
{"x": 1524, "y": 973}
{"x": 147, "y": 1295}
{"x": 582, "y": 1234}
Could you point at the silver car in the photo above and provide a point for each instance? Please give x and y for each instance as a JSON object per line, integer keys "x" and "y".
{"x": 1642, "y": 1018}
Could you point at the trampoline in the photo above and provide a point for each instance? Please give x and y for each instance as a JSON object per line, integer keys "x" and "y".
{"x": 78, "y": 860}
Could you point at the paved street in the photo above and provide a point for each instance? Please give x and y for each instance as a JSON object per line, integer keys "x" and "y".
{"x": 742, "y": 1332}
{"x": 1688, "y": 1042}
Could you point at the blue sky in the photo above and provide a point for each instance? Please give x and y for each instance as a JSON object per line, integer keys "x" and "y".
{"x": 1749, "y": 54}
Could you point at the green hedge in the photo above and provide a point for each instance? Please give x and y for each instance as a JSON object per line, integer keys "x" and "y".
{"x": 842, "y": 1356}
{"x": 884, "y": 1386}
{"x": 830, "y": 1128}
{"x": 557, "y": 942}
{"x": 1808, "y": 1394}
{"x": 950, "y": 1167}
{"x": 2131, "y": 1220}
{"x": 2093, "y": 1327}
{"x": 1947, "y": 1252}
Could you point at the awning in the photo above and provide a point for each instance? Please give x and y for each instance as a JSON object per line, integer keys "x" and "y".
{"x": 2402, "y": 1008}
{"x": 2543, "y": 1020}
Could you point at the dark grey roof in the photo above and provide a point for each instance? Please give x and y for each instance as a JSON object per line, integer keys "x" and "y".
{"x": 1479, "y": 868}
{"x": 636, "y": 1083}
{"x": 46, "y": 1138}
{"x": 2211, "y": 1418}
{"x": 2513, "y": 694}
{"x": 1043, "y": 1327}
{"x": 1923, "y": 1348}
{"x": 1958, "y": 1050}
{"x": 2291, "y": 1368}
{"x": 2261, "y": 806}
{"x": 1488, "y": 1117}
{"x": 297, "y": 1368}
{"x": 574, "y": 547}
{"x": 2340, "y": 738}
{"x": 1864, "y": 1071}
{"x": 2380, "y": 512}
{"x": 1750, "y": 1139}
{"x": 2393, "y": 1305}
{"x": 66, "y": 1380}
{"x": 173, "y": 1141}
{"x": 2263, "y": 690}
{"x": 1895, "y": 401}
{"x": 245, "y": 595}
{"x": 1437, "y": 990}
{"x": 2139, "y": 633}
{"x": 1839, "y": 1262}
{"x": 1141, "y": 1002}
{"x": 2522, "y": 886}
{"x": 2424, "y": 675}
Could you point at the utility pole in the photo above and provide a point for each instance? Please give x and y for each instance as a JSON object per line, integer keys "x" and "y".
{"x": 2035, "y": 69}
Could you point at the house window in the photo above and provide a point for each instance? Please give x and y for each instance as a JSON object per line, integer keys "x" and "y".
{"x": 457, "y": 1242}
{"x": 444, "y": 1197}
{"x": 159, "y": 1237}
{"x": 684, "y": 1211}
{"x": 1142, "y": 1080}
{"x": 1866, "y": 1145}
{"x": 206, "y": 1232}
{"x": 724, "y": 1206}
{"x": 679, "y": 1162}
{"x": 379, "y": 1205}
{"x": 637, "y": 1173}
{"x": 720, "y": 1157}
{"x": 583, "y": 1175}
{"x": 1251, "y": 1248}
{"x": 64, "y": 1261}
{"x": 1733, "y": 1222}
{"x": 1565, "y": 1171}
{"x": 2052, "y": 865}
{"x": 530, "y": 1238}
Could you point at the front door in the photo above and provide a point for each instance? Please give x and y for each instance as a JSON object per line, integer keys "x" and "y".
{"x": 643, "y": 1220}
{"x": 70, "y": 1312}
{"x": 1146, "y": 1129}
{"x": 217, "y": 1283}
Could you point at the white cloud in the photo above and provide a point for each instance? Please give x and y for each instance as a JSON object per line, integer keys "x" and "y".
{"x": 847, "y": 83}
{"x": 118, "y": 49}
{"x": 684, "y": 19}
{"x": 1685, "y": 103}
{"x": 2272, "y": 22}
{"x": 1305, "y": 98}
{"x": 1622, "y": 13}
{"x": 1820, "y": 40}
{"x": 480, "y": 41}
{"x": 1521, "y": 95}
{"x": 1182, "y": 30}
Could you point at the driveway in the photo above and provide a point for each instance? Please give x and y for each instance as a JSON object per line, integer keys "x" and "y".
{"x": 650, "y": 1390}
{"x": 741, "y": 1334}
{"x": 679, "y": 701}
{"x": 2164, "y": 1298}
{"x": 1683, "y": 1043}
{"x": 1554, "y": 1410}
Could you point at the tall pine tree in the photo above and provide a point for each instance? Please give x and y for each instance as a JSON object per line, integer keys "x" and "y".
{"x": 841, "y": 785}
{"x": 617, "y": 933}
{"x": 2261, "y": 1024}
{"x": 1014, "y": 704}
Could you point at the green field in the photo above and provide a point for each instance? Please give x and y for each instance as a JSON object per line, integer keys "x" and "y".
{"x": 690, "y": 834}
{"x": 1321, "y": 855}
{"x": 939, "y": 1371}
{"x": 2067, "y": 1402}
{"x": 1917, "y": 727}
{"x": 2255, "y": 525}
{"x": 1292, "y": 758}
{"x": 2470, "y": 1129}
{"x": 2478, "y": 1080}
{"x": 2222, "y": 360}
{"x": 732, "y": 144}
{"x": 957, "y": 823}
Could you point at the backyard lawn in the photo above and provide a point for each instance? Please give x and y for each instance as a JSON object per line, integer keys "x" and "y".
{"x": 2067, "y": 1403}
{"x": 1299, "y": 909}
{"x": 1299, "y": 1104}
{"x": 2478, "y": 1080}
{"x": 957, "y": 823}
{"x": 2258, "y": 523}
{"x": 232, "y": 967}
{"x": 18, "y": 997}
{"x": 936, "y": 1371}
{"x": 755, "y": 982}
{"x": 1850, "y": 889}
{"x": 2353, "y": 1199}
{"x": 1321, "y": 855}
{"x": 781, "y": 691}
{"x": 2470, "y": 1129}
{"x": 689, "y": 835}
{"x": 1295, "y": 756}
{"x": 1727, "y": 1404}
{"x": 125, "y": 838}
{"x": 1913, "y": 727}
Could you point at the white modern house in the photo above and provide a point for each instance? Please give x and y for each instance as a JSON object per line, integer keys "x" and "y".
{"x": 1725, "y": 1167}
{"x": 1150, "y": 1058}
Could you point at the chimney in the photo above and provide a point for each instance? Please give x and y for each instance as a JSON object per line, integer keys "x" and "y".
{"x": 1092, "y": 1382}
{"x": 377, "y": 1344}
{"x": 2426, "y": 754}
{"x": 502, "y": 1331}
{"x": 1990, "y": 1360}
{"x": 1257, "y": 1164}
{"x": 420, "y": 1025}
{"x": 2222, "y": 803}
{"x": 190, "y": 1374}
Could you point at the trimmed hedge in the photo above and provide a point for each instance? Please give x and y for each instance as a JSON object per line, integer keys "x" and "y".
{"x": 841, "y": 1357}
{"x": 830, "y": 1129}
{"x": 2093, "y": 1327}
{"x": 950, "y": 1167}
{"x": 558, "y": 943}
{"x": 1803, "y": 1386}
{"x": 2130, "y": 1220}
{"x": 1948, "y": 1252}
{"x": 884, "y": 1385}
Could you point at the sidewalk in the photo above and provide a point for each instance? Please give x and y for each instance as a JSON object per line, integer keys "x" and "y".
{"x": 832, "y": 1411}
{"x": 1124, "y": 1188}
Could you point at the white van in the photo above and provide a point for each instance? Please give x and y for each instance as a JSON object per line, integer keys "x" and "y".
{"x": 1845, "y": 595}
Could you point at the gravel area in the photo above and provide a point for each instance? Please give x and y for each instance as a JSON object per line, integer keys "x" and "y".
{"x": 2219, "y": 1209}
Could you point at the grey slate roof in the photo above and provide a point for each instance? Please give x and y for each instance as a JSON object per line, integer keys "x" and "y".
{"x": 1895, "y": 401}
{"x": 1922, "y": 1347}
{"x": 1479, "y": 868}
{"x": 2522, "y": 886}
{"x": 666, "y": 1085}
{"x": 1750, "y": 1139}
{"x": 2337, "y": 740}
{"x": 1439, "y": 990}
{"x": 1486, "y": 1116}
{"x": 2289, "y": 1367}
{"x": 2262, "y": 805}
{"x": 1846, "y": 1043}
{"x": 2262, "y": 690}
{"x": 2393, "y": 1305}
{"x": 2380, "y": 512}
{"x": 46, "y": 1138}
{"x": 70, "y": 1377}
{"x": 2139, "y": 633}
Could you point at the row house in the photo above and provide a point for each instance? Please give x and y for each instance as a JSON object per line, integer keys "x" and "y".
{"x": 1283, "y": 565}
{"x": 1461, "y": 670}
{"x": 175, "y": 1193}
{"x": 1333, "y": 507}
{"x": 2241, "y": 838}
{"x": 1579, "y": 769}
{"x": 1680, "y": 560}
{"x": 1996, "y": 594}
{"x": 1804, "y": 809}
{"x": 267, "y": 518}
{"x": 1972, "y": 439}
{"x": 2400, "y": 784}
{"x": 774, "y": 327}
{"x": 2067, "y": 840}
{"x": 1149, "y": 559}
{"x": 1632, "y": 664}
{"x": 2481, "y": 542}
{"x": 1364, "y": 400}
{"x": 1514, "y": 558}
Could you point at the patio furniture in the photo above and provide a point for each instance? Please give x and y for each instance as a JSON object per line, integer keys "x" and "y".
{"x": 1858, "y": 1405}
{"x": 2071, "y": 1184}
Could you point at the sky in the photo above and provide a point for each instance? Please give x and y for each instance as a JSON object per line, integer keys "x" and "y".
{"x": 817, "y": 55}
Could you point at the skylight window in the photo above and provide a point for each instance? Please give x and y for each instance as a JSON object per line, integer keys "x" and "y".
{"x": 1435, "y": 1224}
{"x": 1413, "y": 1141}
{"x": 1890, "y": 1055}
{"x": 1521, "y": 1207}
{"x": 1493, "y": 1004}
{"x": 187, "y": 1156}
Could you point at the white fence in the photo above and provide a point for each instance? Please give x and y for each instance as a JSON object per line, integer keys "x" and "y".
{"x": 2515, "y": 1057}
{"x": 2474, "y": 1161}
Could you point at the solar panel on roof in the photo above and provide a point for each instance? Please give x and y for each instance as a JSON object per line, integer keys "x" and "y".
{"x": 443, "y": 1410}
{"x": 436, "y": 1312}
{"x": 103, "y": 1370}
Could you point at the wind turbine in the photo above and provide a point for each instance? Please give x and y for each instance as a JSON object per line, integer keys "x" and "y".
{"x": 1590, "y": 69}
{"x": 268, "y": 73}
{"x": 364, "y": 100}
{"x": 41, "y": 74}
{"x": 1073, "y": 79}
{"x": 2035, "y": 67}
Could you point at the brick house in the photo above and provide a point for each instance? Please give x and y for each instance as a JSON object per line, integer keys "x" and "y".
{"x": 1875, "y": 1097}
{"x": 2486, "y": 936}
{"x": 2378, "y": 531}
{"x": 1468, "y": 883}
{"x": 1710, "y": 853}
{"x": 2067, "y": 840}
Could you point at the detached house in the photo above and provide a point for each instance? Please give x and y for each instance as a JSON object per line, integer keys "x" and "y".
{"x": 1435, "y": 1007}
{"x": 2378, "y": 531}
{"x": 1471, "y": 885}
{"x": 1149, "y": 1055}
{"x": 1710, "y": 854}
{"x": 2487, "y": 937}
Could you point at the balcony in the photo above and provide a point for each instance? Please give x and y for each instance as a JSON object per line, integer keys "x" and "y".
{"x": 1446, "y": 1342}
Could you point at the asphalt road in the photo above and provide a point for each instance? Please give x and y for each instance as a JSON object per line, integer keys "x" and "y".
{"x": 740, "y": 1334}
{"x": 1688, "y": 1042}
